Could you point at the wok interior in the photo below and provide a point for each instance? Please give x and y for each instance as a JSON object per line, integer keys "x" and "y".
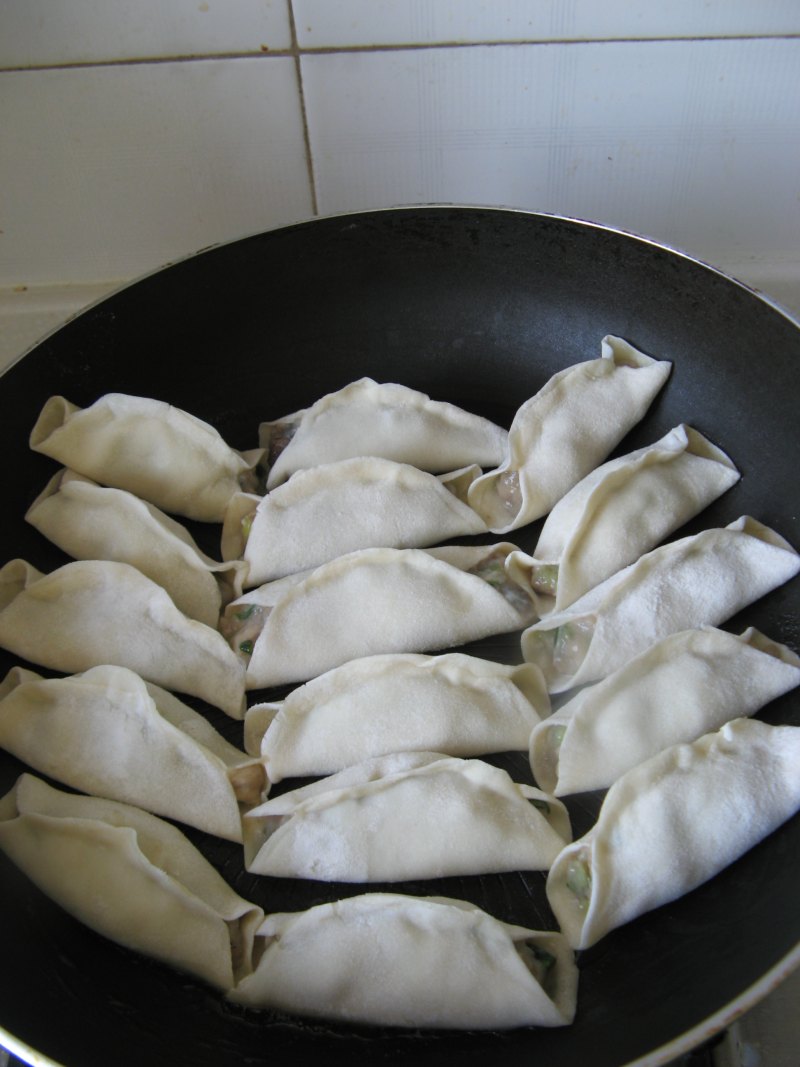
{"x": 478, "y": 307}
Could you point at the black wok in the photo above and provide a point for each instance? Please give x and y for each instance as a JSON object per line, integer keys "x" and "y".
{"x": 479, "y": 307}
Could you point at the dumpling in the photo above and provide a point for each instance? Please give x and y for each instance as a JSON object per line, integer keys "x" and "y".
{"x": 96, "y": 612}
{"x": 623, "y": 508}
{"x": 672, "y": 823}
{"x": 154, "y": 450}
{"x": 374, "y": 601}
{"x": 437, "y": 819}
{"x": 682, "y": 687}
{"x": 394, "y": 960}
{"x": 563, "y": 432}
{"x": 131, "y": 877}
{"x": 90, "y": 521}
{"x": 457, "y": 704}
{"x": 108, "y": 733}
{"x": 367, "y": 418}
{"x": 699, "y": 580}
{"x": 341, "y": 507}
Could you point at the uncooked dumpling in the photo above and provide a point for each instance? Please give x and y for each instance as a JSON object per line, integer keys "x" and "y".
{"x": 374, "y": 601}
{"x": 680, "y": 688}
{"x": 93, "y": 612}
{"x": 152, "y": 449}
{"x": 394, "y": 960}
{"x": 368, "y": 418}
{"x": 700, "y": 580}
{"x": 672, "y": 823}
{"x": 438, "y": 819}
{"x": 341, "y": 507}
{"x": 563, "y": 432}
{"x": 108, "y": 733}
{"x": 453, "y": 703}
{"x": 131, "y": 877}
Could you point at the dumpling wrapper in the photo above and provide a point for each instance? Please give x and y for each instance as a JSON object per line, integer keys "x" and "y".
{"x": 684, "y": 686}
{"x": 456, "y": 704}
{"x": 95, "y": 612}
{"x": 90, "y": 521}
{"x": 440, "y": 818}
{"x": 336, "y": 508}
{"x": 672, "y": 823}
{"x": 154, "y": 450}
{"x": 700, "y": 580}
{"x": 393, "y": 960}
{"x": 110, "y": 734}
{"x": 374, "y": 601}
{"x": 131, "y": 877}
{"x": 564, "y": 431}
{"x": 623, "y": 508}
{"x": 367, "y": 418}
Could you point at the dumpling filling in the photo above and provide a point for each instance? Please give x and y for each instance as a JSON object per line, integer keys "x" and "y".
{"x": 253, "y": 480}
{"x": 578, "y": 880}
{"x": 280, "y": 434}
{"x": 247, "y": 526}
{"x": 560, "y": 652}
{"x": 541, "y": 964}
{"x": 509, "y": 492}
{"x": 548, "y": 749}
{"x": 241, "y": 627}
{"x": 544, "y": 579}
{"x": 493, "y": 571}
{"x": 249, "y": 782}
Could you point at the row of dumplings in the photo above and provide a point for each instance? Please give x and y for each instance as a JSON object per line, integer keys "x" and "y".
{"x": 343, "y": 589}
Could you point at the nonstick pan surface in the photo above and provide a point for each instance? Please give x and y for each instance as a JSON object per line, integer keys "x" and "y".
{"x": 479, "y": 307}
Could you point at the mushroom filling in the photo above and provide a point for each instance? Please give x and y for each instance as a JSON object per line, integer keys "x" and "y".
{"x": 493, "y": 571}
{"x": 248, "y": 782}
{"x": 253, "y": 480}
{"x": 280, "y": 434}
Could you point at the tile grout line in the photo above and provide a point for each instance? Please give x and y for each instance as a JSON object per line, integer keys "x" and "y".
{"x": 294, "y": 51}
{"x": 298, "y": 67}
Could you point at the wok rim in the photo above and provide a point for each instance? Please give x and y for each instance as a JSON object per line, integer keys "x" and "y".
{"x": 656, "y": 243}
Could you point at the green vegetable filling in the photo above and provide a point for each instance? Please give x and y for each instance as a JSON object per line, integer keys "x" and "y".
{"x": 579, "y": 882}
{"x": 545, "y": 958}
{"x": 247, "y": 525}
{"x": 570, "y": 645}
{"x": 544, "y": 579}
{"x": 541, "y": 964}
{"x": 246, "y": 612}
{"x": 492, "y": 570}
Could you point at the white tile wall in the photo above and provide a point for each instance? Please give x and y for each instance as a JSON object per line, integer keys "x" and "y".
{"x": 690, "y": 142}
{"x": 118, "y": 169}
{"x": 47, "y": 33}
{"x": 321, "y": 23}
{"x": 135, "y": 133}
